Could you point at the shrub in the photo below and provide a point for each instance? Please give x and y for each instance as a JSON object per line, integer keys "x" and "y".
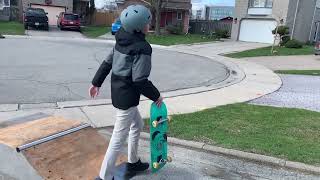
{"x": 284, "y": 40}
{"x": 310, "y": 43}
{"x": 175, "y": 29}
{"x": 222, "y": 33}
{"x": 282, "y": 30}
{"x": 294, "y": 44}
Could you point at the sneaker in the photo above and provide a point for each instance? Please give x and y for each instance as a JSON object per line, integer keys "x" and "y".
{"x": 137, "y": 167}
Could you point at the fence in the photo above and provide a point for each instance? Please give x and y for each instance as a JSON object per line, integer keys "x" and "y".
{"x": 209, "y": 27}
{"x": 103, "y": 18}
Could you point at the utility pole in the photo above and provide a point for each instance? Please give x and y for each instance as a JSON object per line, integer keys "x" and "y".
{"x": 314, "y": 14}
{"x": 295, "y": 18}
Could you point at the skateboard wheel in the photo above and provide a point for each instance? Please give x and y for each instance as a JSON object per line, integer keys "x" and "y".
{"x": 156, "y": 165}
{"x": 154, "y": 123}
{"x": 169, "y": 159}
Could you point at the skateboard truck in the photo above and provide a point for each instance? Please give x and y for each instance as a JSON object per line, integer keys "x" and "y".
{"x": 156, "y": 165}
{"x": 155, "y": 123}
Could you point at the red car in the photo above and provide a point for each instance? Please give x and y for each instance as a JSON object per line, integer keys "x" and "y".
{"x": 68, "y": 21}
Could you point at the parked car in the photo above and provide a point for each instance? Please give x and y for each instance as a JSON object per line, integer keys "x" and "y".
{"x": 115, "y": 26}
{"x": 317, "y": 48}
{"x": 36, "y": 18}
{"x": 69, "y": 21}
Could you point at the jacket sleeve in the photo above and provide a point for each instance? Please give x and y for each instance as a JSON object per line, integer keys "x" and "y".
{"x": 141, "y": 69}
{"x": 103, "y": 70}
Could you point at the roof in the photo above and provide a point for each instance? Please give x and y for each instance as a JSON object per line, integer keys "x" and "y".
{"x": 167, "y": 4}
{"x": 226, "y": 18}
{"x": 177, "y": 4}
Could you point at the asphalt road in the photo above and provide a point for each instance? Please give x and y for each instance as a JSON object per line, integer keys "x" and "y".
{"x": 42, "y": 71}
{"x": 190, "y": 164}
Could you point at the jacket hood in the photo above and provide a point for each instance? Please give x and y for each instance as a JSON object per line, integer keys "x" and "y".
{"x": 124, "y": 38}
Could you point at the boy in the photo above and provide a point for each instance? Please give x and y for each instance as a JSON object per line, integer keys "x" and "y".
{"x": 130, "y": 61}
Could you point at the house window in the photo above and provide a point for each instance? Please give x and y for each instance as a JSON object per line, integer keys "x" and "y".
{"x": 14, "y": 2}
{"x": 6, "y": 3}
{"x": 261, "y": 3}
{"x": 179, "y": 15}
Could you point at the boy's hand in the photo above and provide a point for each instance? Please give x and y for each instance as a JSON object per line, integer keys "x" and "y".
{"x": 159, "y": 101}
{"x": 93, "y": 91}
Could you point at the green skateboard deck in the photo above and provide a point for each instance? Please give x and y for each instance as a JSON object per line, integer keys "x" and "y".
{"x": 158, "y": 136}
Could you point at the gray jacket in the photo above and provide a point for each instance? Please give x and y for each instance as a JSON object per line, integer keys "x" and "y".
{"x": 130, "y": 62}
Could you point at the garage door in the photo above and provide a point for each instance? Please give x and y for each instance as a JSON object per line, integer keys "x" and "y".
{"x": 257, "y": 31}
{"x": 52, "y": 12}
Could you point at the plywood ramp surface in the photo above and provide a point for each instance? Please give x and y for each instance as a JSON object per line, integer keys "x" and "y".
{"x": 77, "y": 156}
{"x": 24, "y": 133}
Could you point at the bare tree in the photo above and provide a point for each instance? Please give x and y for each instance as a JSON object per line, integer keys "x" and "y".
{"x": 157, "y": 6}
{"x": 279, "y": 21}
{"x": 92, "y": 9}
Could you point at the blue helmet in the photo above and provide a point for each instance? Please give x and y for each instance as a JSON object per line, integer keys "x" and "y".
{"x": 135, "y": 18}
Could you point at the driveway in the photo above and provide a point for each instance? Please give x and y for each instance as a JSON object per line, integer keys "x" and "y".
{"x": 309, "y": 62}
{"x": 219, "y": 47}
{"x": 297, "y": 92}
{"x": 61, "y": 70}
{"x": 54, "y": 32}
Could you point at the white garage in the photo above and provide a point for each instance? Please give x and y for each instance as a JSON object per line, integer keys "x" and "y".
{"x": 253, "y": 30}
{"x": 52, "y": 11}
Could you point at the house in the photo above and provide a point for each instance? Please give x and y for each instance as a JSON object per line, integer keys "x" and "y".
{"x": 218, "y": 12}
{"x": 173, "y": 11}
{"x": 198, "y": 14}
{"x": 9, "y": 10}
{"x": 54, "y": 7}
{"x": 13, "y": 9}
{"x": 254, "y": 20}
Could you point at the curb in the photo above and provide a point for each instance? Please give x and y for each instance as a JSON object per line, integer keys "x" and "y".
{"x": 241, "y": 155}
{"x": 235, "y": 153}
{"x": 77, "y": 39}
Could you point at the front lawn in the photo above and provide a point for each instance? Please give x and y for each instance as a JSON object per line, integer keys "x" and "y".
{"x": 95, "y": 31}
{"x": 291, "y": 134}
{"x": 300, "y": 72}
{"x": 266, "y": 51}
{"x": 170, "y": 39}
{"x": 11, "y": 28}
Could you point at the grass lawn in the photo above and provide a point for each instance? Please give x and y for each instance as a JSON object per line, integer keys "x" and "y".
{"x": 95, "y": 31}
{"x": 266, "y": 51}
{"x": 300, "y": 72}
{"x": 291, "y": 134}
{"x": 167, "y": 40}
{"x": 11, "y": 28}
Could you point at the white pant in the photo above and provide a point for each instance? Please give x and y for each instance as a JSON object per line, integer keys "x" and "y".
{"x": 127, "y": 122}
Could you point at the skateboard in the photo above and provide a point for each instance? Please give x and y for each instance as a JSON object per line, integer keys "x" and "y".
{"x": 158, "y": 136}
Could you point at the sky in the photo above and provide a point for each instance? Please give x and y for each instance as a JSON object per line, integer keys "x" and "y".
{"x": 195, "y": 3}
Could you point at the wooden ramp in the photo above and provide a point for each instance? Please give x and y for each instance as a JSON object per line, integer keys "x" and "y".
{"x": 74, "y": 156}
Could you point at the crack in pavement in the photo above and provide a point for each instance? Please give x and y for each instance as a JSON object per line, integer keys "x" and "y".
{"x": 63, "y": 85}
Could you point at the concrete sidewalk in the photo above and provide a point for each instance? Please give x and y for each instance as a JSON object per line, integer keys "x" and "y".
{"x": 309, "y": 62}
